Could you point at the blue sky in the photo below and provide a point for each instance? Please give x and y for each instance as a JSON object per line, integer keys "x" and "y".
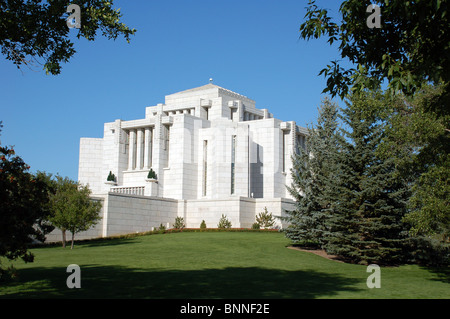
{"x": 249, "y": 46}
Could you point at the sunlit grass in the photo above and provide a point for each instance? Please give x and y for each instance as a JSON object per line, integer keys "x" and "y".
{"x": 210, "y": 265}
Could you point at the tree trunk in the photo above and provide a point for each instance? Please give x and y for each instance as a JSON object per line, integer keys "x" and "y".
{"x": 73, "y": 236}
{"x": 63, "y": 238}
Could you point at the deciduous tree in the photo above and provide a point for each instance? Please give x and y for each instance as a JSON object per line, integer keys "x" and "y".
{"x": 416, "y": 138}
{"x": 36, "y": 31}
{"x": 409, "y": 49}
{"x": 409, "y": 53}
{"x": 72, "y": 208}
{"x": 24, "y": 206}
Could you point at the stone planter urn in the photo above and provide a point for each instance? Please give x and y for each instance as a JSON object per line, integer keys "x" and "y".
{"x": 151, "y": 187}
{"x": 111, "y": 180}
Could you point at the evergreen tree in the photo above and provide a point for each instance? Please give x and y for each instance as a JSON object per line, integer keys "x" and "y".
{"x": 313, "y": 170}
{"x": 369, "y": 195}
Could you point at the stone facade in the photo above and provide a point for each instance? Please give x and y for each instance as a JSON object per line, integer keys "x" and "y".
{"x": 213, "y": 153}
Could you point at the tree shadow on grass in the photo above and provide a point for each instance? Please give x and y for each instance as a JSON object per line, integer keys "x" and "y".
{"x": 228, "y": 283}
{"x": 100, "y": 242}
{"x": 442, "y": 273}
{"x": 96, "y": 242}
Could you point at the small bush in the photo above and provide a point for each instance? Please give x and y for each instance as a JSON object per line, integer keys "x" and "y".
{"x": 162, "y": 229}
{"x": 151, "y": 174}
{"x": 7, "y": 274}
{"x": 265, "y": 219}
{"x": 111, "y": 177}
{"x": 224, "y": 223}
{"x": 203, "y": 225}
{"x": 429, "y": 252}
{"x": 256, "y": 226}
{"x": 179, "y": 223}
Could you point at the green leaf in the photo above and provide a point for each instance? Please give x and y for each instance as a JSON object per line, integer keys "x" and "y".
{"x": 391, "y": 71}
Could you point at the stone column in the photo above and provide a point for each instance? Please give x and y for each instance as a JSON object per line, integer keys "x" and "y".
{"x": 240, "y": 111}
{"x": 148, "y": 148}
{"x": 131, "y": 150}
{"x": 139, "y": 150}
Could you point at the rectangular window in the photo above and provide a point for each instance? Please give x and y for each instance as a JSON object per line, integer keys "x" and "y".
{"x": 301, "y": 142}
{"x": 285, "y": 148}
{"x": 233, "y": 114}
{"x": 233, "y": 163}
{"x": 205, "y": 166}
{"x": 166, "y": 137}
{"x": 150, "y": 149}
{"x": 166, "y": 144}
{"x": 206, "y": 113}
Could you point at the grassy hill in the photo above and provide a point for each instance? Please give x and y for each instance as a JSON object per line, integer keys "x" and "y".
{"x": 210, "y": 265}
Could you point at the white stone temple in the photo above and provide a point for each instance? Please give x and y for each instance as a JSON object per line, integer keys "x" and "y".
{"x": 213, "y": 153}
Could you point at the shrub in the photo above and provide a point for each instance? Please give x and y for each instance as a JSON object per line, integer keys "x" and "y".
{"x": 256, "y": 226}
{"x": 7, "y": 274}
{"x": 203, "y": 225}
{"x": 151, "y": 174}
{"x": 429, "y": 252}
{"x": 179, "y": 223}
{"x": 162, "y": 229}
{"x": 265, "y": 219}
{"x": 224, "y": 222}
{"x": 111, "y": 177}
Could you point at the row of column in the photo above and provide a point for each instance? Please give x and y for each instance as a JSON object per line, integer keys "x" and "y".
{"x": 140, "y": 148}
{"x": 250, "y": 116}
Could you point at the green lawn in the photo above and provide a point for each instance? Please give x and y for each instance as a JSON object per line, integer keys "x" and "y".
{"x": 210, "y": 265}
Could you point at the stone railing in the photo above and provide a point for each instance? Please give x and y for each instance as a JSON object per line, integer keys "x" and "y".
{"x": 131, "y": 190}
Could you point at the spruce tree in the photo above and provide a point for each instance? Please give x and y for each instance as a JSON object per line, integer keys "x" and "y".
{"x": 369, "y": 194}
{"x": 313, "y": 168}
